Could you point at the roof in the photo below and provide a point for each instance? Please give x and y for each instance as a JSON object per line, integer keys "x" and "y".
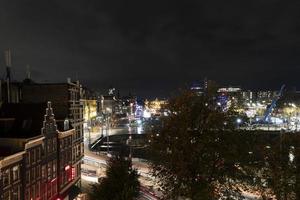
{"x": 21, "y": 120}
{"x": 108, "y": 97}
{"x": 25, "y": 120}
{"x": 7, "y": 151}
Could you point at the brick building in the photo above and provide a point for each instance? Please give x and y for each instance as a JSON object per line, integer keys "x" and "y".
{"x": 37, "y": 159}
{"x": 67, "y": 104}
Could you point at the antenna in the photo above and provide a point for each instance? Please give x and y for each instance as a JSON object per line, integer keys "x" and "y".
{"x": 7, "y": 57}
{"x": 28, "y": 72}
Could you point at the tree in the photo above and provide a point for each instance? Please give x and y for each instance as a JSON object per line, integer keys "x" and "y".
{"x": 198, "y": 154}
{"x": 192, "y": 154}
{"x": 121, "y": 182}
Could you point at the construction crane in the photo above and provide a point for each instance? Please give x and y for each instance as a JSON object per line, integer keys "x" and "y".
{"x": 269, "y": 109}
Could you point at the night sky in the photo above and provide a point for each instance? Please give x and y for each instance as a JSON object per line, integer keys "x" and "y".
{"x": 153, "y": 47}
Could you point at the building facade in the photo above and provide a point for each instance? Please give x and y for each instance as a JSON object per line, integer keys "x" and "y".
{"x": 66, "y": 100}
{"x": 44, "y": 167}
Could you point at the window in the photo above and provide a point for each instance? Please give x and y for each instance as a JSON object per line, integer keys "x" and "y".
{"x": 54, "y": 169}
{"x": 16, "y": 193}
{"x": 38, "y": 169}
{"x": 43, "y": 149}
{"x": 54, "y": 144}
{"x": 49, "y": 170}
{"x": 16, "y": 172}
{"x": 27, "y": 194}
{"x": 54, "y": 188}
{"x": 32, "y": 158}
{"x": 27, "y": 177}
{"x": 6, "y": 195}
{"x": 78, "y": 151}
{"x": 27, "y": 158}
{"x": 38, "y": 188}
{"x": 82, "y": 149}
{"x": 32, "y": 174}
{"x": 62, "y": 143}
{"x": 38, "y": 153}
{"x": 6, "y": 177}
{"x": 33, "y": 192}
{"x": 49, "y": 190}
{"x": 49, "y": 145}
{"x": 74, "y": 153}
{"x": 43, "y": 172}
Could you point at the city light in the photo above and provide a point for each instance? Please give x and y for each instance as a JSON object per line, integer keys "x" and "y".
{"x": 149, "y": 100}
{"x": 146, "y": 114}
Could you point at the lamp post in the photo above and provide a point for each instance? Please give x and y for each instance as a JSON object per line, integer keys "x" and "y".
{"x": 107, "y": 118}
{"x": 89, "y": 129}
{"x": 107, "y": 135}
{"x": 129, "y": 143}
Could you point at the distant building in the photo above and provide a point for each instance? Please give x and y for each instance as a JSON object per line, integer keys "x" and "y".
{"x": 90, "y": 106}
{"x": 198, "y": 88}
{"x": 155, "y": 107}
{"x": 248, "y": 96}
{"x": 37, "y": 159}
{"x": 229, "y": 96}
{"x": 265, "y": 96}
{"x": 108, "y": 104}
{"x": 14, "y": 92}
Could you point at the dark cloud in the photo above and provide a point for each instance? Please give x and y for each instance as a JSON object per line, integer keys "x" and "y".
{"x": 153, "y": 47}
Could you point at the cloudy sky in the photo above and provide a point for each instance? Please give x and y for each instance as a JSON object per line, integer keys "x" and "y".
{"x": 153, "y": 47}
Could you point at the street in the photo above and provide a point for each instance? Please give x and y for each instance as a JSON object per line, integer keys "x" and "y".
{"x": 94, "y": 165}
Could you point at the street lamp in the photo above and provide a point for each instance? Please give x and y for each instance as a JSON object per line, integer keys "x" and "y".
{"x": 107, "y": 118}
{"x": 238, "y": 121}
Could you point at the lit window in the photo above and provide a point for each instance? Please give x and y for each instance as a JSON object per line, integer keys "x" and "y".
{"x": 62, "y": 144}
{"x": 6, "y": 177}
{"x": 43, "y": 171}
{"x": 49, "y": 170}
{"x": 54, "y": 169}
{"x": 16, "y": 172}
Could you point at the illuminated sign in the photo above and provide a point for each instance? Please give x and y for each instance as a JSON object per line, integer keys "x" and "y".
{"x": 73, "y": 173}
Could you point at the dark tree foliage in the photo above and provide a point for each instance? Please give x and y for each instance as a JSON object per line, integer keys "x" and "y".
{"x": 192, "y": 154}
{"x": 121, "y": 182}
{"x": 279, "y": 171}
{"x": 198, "y": 153}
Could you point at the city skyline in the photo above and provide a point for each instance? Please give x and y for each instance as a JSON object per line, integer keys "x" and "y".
{"x": 152, "y": 49}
